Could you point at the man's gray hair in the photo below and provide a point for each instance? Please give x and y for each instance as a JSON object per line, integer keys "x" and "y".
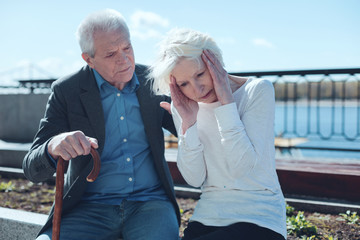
{"x": 103, "y": 20}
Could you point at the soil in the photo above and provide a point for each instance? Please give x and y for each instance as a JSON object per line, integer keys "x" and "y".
{"x": 24, "y": 195}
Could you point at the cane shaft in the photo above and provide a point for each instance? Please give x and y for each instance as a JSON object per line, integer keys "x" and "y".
{"x": 60, "y": 189}
{"x": 58, "y": 199}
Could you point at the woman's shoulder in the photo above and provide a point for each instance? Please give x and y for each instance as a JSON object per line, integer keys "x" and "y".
{"x": 259, "y": 83}
{"x": 255, "y": 88}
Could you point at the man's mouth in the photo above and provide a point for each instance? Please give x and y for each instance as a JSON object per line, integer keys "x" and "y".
{"x": 125, "y": 70}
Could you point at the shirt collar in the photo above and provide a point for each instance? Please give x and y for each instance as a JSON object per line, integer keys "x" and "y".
{"x": 130, "y": 87}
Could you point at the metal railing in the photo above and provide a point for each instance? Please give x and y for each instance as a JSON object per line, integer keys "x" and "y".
{"x": 33, "y": 84}
{"x": 320, "y": 105}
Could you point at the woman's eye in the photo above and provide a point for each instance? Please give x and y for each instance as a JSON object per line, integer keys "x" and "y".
{"x": 200, "y": 74}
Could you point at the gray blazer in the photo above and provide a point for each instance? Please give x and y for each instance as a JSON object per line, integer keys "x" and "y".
{"x": 75, "y": 104}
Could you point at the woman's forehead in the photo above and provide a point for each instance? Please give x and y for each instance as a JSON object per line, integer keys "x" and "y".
{"x": 187, "y": 67}
{"x": 191, "y": 63}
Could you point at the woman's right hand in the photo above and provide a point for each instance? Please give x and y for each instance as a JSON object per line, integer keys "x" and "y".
{"x": 186, "y": 107}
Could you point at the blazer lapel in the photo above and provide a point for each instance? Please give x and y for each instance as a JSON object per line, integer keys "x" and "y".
{"x": 150, "y": 114}
{"x": 91, "y": 101}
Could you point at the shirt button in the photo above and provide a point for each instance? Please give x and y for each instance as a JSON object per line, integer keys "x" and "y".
{"x": 128, "y": 159}
{"x": 118, "y": 94}
{"x": 125, "y": 140}
{"x": 122, "y": 118}
{"x": 130, "y": 179}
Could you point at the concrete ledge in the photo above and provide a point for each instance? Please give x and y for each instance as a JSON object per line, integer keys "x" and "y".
{"x": 12, "y": 154}
{"x": 9, "y": 172}
{"x": 322, "y": 205}
{"x": 20, "y": 225}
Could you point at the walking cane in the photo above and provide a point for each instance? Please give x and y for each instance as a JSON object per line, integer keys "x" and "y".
{"x": 60, "y": 189}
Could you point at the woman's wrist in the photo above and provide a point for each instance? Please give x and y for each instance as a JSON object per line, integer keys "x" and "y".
{"x": 186, "y": 125}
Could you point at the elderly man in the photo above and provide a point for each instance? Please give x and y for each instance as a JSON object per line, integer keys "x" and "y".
{"x": 107, "y": 105}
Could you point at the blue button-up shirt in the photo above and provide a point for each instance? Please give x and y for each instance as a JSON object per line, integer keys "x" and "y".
{"x": 127, "y": 166}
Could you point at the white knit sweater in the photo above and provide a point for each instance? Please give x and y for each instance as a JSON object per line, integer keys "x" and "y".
{"x": 230, "y": 154}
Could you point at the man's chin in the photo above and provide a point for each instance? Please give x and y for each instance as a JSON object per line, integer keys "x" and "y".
{"x": 125, "y": 75}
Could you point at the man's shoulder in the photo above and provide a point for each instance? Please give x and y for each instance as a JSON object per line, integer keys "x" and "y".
{"x": 141, "y": 70}
{"x": 74, "y": 77}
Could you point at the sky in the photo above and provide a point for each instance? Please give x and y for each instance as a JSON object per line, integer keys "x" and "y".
{"x": 38, "y": 37}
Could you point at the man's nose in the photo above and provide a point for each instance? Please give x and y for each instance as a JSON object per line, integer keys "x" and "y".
{"x": 122, "y": 58}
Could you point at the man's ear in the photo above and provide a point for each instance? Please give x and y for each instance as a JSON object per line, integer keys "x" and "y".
{"x": 87, "y": 59}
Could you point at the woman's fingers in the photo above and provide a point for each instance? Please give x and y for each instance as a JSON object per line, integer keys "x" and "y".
{"x": 219, "y": 77}
{"x": 213, "y": 60}
{"x": 176, "y": 95}
{"x": 216, "y": 70}
{"x": 166, "y": 106}
{"x": 186, "y": 107}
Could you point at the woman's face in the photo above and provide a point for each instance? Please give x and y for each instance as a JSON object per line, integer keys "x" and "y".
{"x": 194, "y": 80}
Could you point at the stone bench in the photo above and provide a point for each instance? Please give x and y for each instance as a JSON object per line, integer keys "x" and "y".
{"x": 20, "y": 225}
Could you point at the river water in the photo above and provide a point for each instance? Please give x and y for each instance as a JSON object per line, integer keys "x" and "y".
{"x": 325, "y": 125}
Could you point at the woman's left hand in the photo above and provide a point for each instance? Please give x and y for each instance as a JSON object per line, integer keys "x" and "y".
{"x": 219, "y": 76}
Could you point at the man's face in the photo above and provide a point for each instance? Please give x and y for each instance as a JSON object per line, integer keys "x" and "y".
{"x": 114, "y": 57}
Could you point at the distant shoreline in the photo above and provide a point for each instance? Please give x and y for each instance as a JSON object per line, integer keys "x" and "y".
{"x": 322, "y": 103}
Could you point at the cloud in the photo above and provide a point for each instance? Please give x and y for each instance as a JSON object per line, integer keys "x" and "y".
{"x": 262, "y": 43}
{"x": 146, "y": 25}
{"x": 147, "y": 19}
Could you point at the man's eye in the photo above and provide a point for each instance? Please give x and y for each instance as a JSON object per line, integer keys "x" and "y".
{"x": 110, "y": 55}
{"x": 183, "y": 84}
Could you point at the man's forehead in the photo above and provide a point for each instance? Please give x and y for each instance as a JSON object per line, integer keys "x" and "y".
{"x": 111, "y": 40}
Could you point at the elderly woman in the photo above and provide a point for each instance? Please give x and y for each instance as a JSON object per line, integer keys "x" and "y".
{"x": 225, "y": 126}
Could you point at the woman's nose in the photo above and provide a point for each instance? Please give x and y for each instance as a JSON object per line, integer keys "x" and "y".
{"x": 198, "y": 87}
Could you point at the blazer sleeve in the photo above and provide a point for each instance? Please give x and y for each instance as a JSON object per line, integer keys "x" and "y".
{"x": 37, "y": 165}
{"x": 168, "y": 122}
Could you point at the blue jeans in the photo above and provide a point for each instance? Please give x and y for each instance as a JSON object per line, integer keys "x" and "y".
{"x": 129, "y": 220}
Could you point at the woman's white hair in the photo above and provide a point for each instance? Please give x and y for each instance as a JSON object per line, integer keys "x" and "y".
{"x": 179, "y": 43}
{"x": 103, "y": 20}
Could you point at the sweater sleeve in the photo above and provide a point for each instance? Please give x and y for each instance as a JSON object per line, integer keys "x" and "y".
{"x": 190, "y": 158}
{"x": 244, "y": 138}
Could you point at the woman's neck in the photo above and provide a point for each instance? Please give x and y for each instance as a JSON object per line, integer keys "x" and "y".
{"x": 236, "y": 82}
